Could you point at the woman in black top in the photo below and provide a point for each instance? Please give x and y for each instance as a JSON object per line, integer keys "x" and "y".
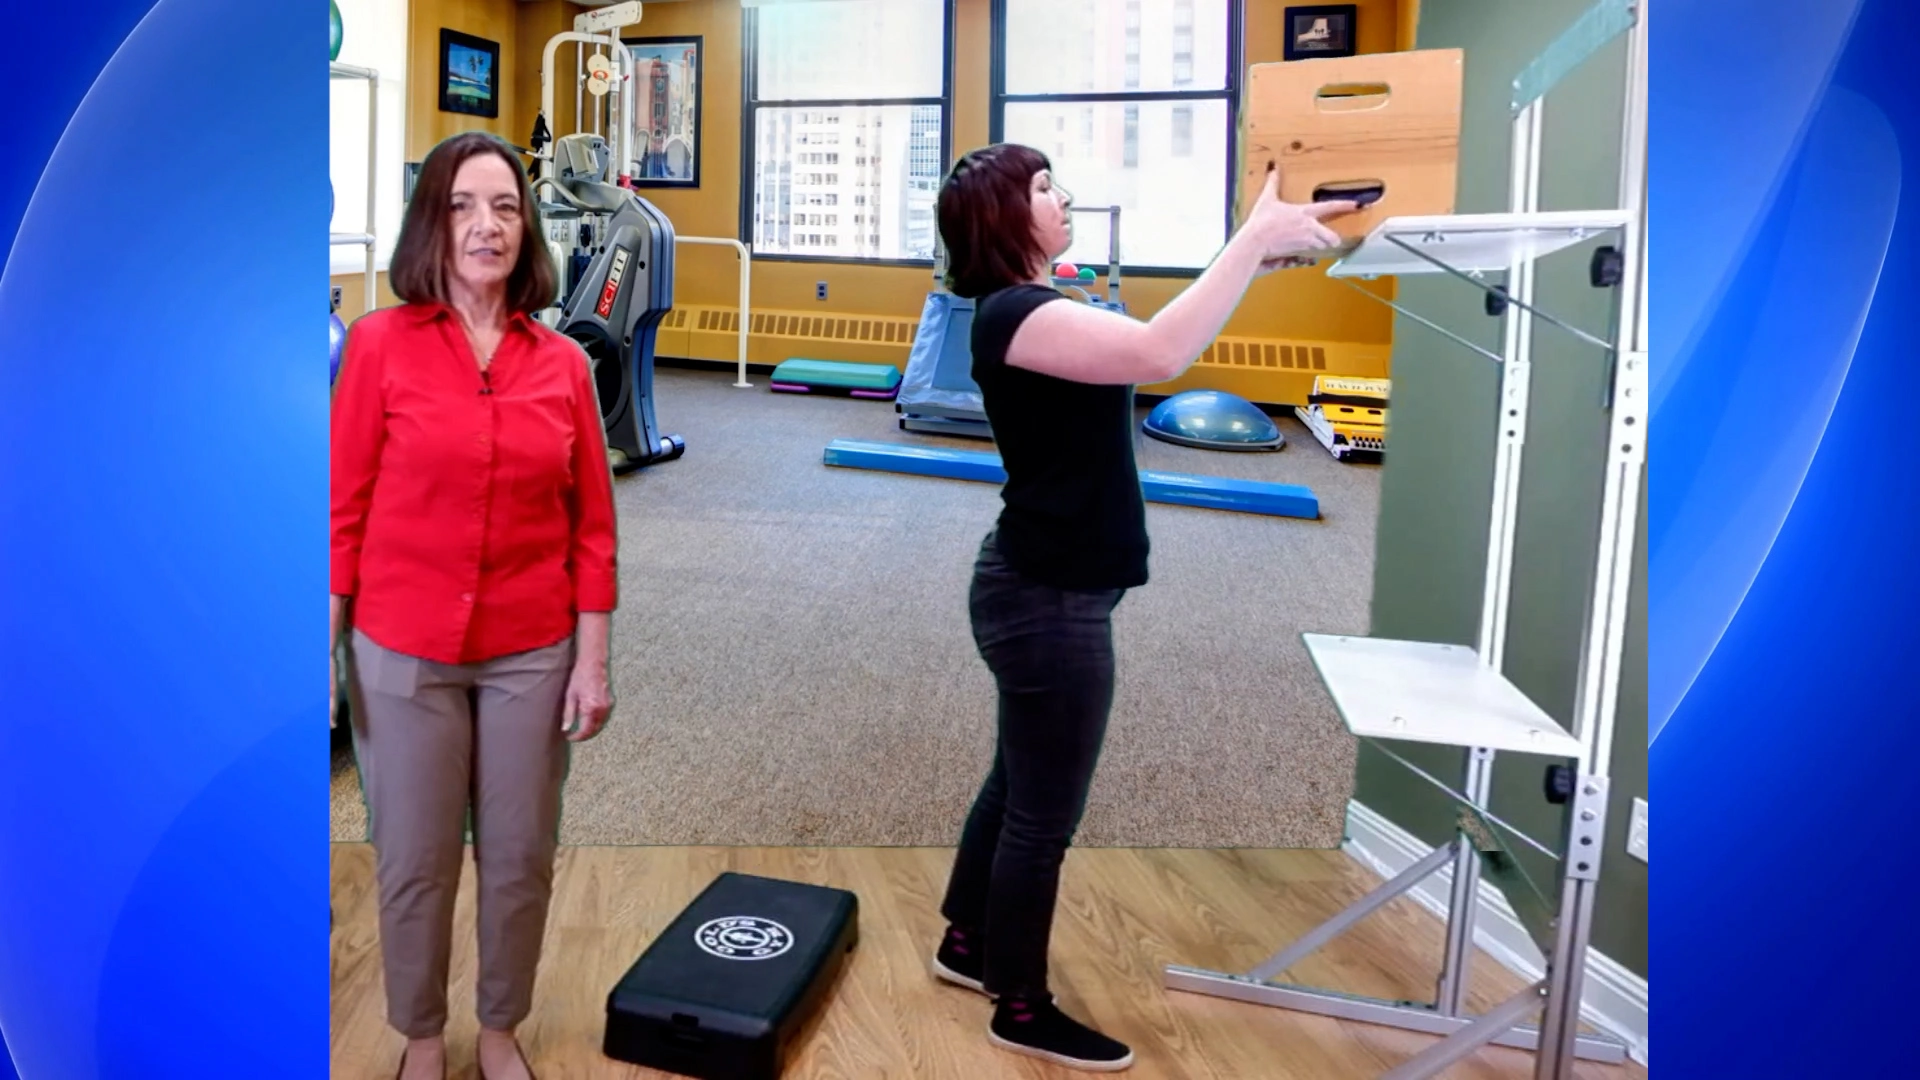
{"x": 1056, "y": 379}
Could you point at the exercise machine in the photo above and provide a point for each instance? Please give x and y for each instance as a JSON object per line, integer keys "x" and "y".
{"x": 937, "y": 393}
{"x": 1455, "y": 695}
{"x": 617, "y": 301}
{"x": 613, "y": 250}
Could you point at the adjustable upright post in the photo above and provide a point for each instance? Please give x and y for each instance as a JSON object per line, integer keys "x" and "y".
{"x": 1516, "y": 370}
{"x": 1601, "y": 656}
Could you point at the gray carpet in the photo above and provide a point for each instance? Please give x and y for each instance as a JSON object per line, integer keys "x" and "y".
{"x": 793, "y": 664}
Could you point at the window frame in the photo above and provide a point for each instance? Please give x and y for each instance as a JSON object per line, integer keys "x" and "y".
{"x": 1229, "y": 93}
{"x": 750, "y": 120}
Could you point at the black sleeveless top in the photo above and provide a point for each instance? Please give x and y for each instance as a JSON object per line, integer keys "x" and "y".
{"x": 1074, "y": 515}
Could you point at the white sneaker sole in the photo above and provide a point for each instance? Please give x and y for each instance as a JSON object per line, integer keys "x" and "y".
{"x": 948, "y": 975}
{"x": 1060, "y": 1059}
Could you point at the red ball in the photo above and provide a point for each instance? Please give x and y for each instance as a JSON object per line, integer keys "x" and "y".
{"x": 1066, "y": 270}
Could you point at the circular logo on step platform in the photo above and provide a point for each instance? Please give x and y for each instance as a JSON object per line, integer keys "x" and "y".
{"x": 743, "y": 937}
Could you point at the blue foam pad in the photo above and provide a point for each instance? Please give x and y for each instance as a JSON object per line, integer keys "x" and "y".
{"x": 1180, "y": 489}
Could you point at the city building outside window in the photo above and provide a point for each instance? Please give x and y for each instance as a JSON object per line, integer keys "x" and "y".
{"x": 874, "y": 70}
{"x": 1134, "y": 102}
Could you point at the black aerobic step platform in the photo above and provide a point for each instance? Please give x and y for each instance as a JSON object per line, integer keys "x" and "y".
{"x": 725, "y": 990}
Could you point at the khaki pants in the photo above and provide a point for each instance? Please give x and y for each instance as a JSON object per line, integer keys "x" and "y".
{"x": 432, "y": 741}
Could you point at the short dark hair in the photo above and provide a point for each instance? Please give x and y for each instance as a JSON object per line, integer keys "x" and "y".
{"x": 986, "y": 219}
{"x": 418, "y": 273}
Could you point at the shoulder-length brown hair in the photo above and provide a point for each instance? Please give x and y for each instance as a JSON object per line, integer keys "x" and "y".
{"x": 419, "y": 270}
{"x": 986, "y": 219}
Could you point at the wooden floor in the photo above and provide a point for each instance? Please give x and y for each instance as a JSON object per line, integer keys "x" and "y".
{"x": 1123, "y": 914}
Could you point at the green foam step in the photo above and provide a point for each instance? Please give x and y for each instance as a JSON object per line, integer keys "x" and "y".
{"x": 838, "y": 373}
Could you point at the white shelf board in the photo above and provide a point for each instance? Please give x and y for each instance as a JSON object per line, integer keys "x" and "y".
{"x": 1472, "y": 243}
{"x": 1422, "y": 692}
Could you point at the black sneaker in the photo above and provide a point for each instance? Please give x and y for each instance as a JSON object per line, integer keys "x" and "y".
{"x": 1040, "y": 1029}
{"x": 960, "y": 960}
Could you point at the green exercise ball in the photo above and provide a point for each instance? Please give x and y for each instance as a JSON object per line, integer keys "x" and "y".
{"x": 335, "y": 31}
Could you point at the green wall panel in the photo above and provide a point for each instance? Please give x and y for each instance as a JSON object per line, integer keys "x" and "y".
{"x": 1436, "y": 489}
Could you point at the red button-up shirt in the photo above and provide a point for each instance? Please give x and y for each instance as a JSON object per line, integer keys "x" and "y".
{"x": 472, "y": 512}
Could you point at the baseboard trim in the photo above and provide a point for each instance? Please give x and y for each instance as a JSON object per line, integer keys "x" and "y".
{"x": 1615, "y": 999}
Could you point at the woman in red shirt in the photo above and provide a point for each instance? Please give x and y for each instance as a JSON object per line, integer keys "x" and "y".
{"x": 473, "y": 554}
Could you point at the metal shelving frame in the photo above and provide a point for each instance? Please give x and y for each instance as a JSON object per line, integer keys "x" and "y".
{"x": 1459, "y": 696}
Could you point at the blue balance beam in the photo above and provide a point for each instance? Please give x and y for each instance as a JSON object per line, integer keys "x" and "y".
{"x": 1179, "y": 489}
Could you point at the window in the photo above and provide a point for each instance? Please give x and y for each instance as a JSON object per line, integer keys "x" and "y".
{"x": 1149, "y": 88}
{"x": 377, "y": 40}
{"x": 875, "y": 71}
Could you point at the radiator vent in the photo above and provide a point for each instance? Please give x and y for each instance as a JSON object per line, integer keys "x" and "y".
{"x": 1259, "y": 353}
{"x": 865, "y": 329}
{"x": 881, "y": 331}
{"x": 1258, "y": 369}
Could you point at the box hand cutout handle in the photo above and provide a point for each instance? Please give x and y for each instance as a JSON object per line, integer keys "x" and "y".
{"x": 1381, "y": 130}
{"x": 1352, "y": 97}
{"x": 1364, "y": 193}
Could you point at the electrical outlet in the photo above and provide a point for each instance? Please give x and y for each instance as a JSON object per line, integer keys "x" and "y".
{"x": 1637, "y": 833}
{"x": 819, "y": 290}
{"x": 334, "y": 297}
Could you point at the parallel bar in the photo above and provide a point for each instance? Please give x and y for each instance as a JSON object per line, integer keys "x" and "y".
{"x": 1437, "y": 1058}
{"x": 1179, "y": 489}
{"x": 1365, "y": 906}
{"x": 746, "y": 289}
{"x": 1406, "y": 1016}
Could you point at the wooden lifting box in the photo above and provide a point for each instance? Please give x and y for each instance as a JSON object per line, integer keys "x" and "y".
{"x": 1382, "y": 129}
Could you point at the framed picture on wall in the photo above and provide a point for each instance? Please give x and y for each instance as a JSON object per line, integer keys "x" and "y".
{"x": 469, "y": 74}
{"x": 666, "y": 110}
{"x": 1320, "y": 30}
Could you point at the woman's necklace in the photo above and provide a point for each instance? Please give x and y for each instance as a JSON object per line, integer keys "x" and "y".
{"x": 483, "y": 349}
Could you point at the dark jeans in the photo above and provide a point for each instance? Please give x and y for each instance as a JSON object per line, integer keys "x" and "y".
{"x": 1051, "y": 652}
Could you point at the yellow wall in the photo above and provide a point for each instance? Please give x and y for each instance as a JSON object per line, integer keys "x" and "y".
{"x": 494, "y": 20}
{"x": 1409, "y": 28}
{"x": 1296, "y": 306}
